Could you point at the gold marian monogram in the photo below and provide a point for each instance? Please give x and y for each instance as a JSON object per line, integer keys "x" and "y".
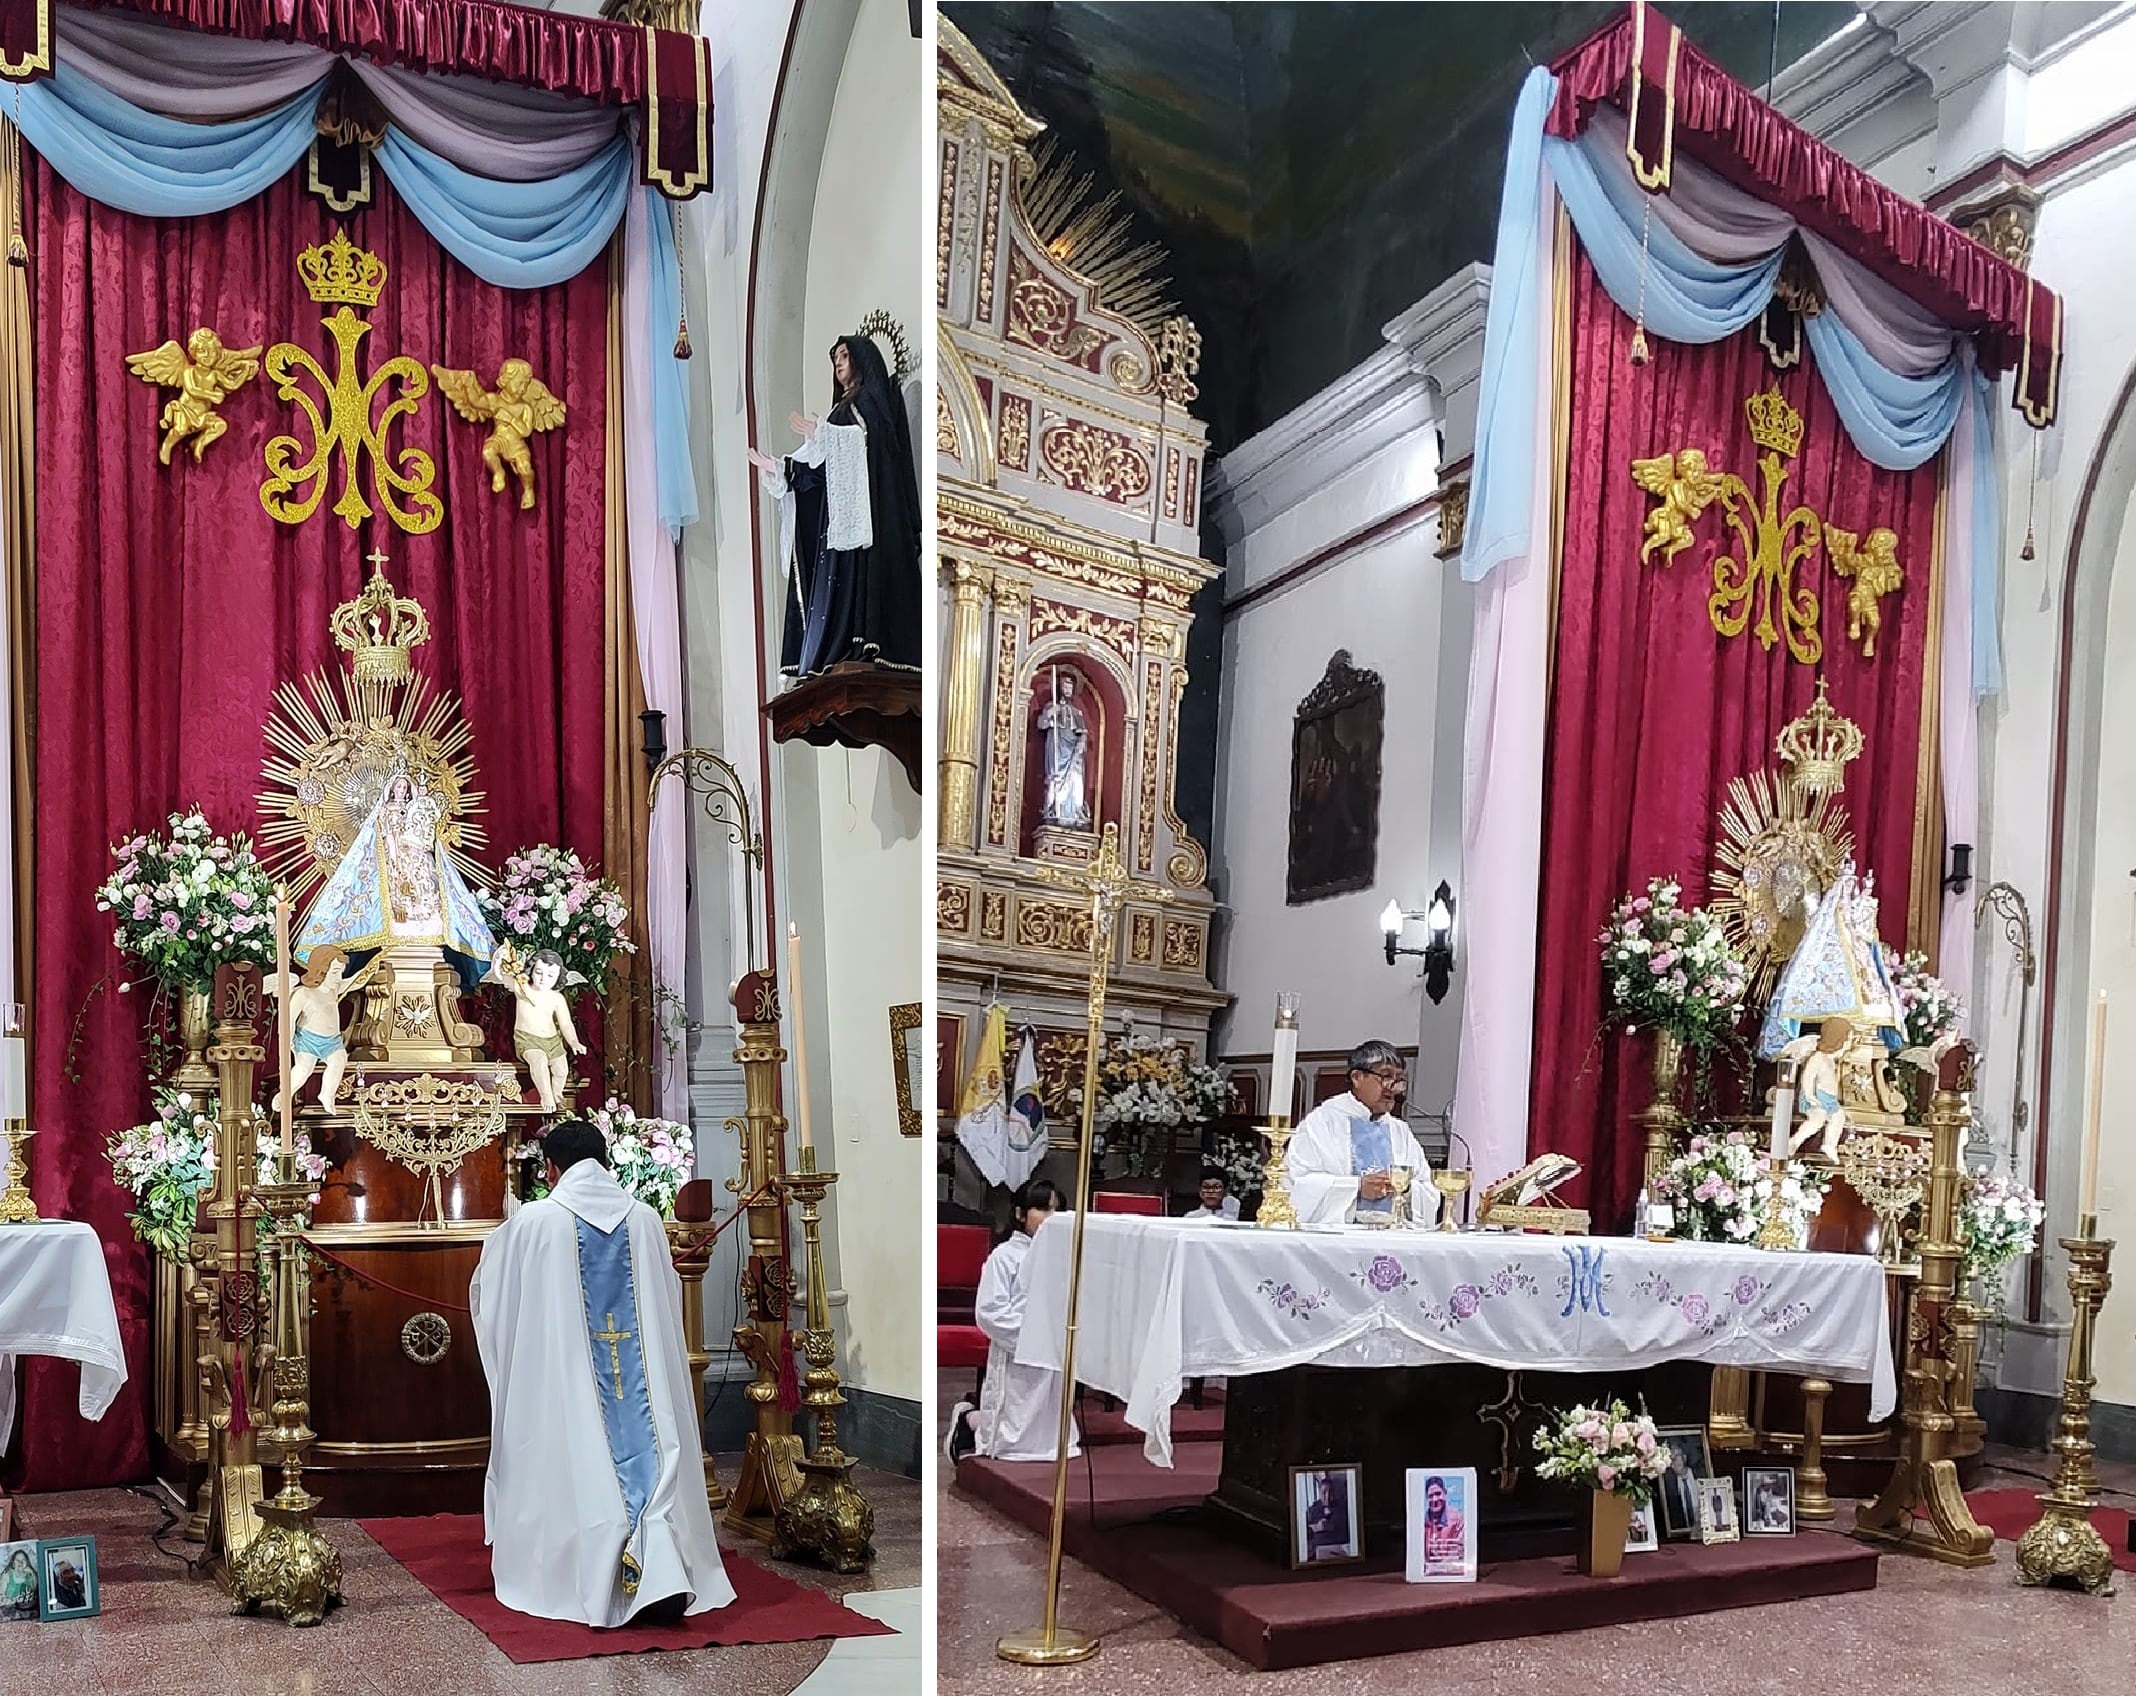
{"x": 1772, "y": 544}
{"x": 343, "y": 274}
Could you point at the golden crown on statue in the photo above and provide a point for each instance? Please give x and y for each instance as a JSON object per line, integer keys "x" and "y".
{"x": 379, "y": 627}
{"x": 342, "y": 272}
{"x": 1818, "y": 745}
{"x": 1773, "y": 423}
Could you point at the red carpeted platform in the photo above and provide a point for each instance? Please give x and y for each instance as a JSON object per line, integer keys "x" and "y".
{"x": 2010, "y": 1514}
{"x": 1273, "y": 1618}
{"x": 1100, "y": 1424}
{"x": 446, "y": 1554}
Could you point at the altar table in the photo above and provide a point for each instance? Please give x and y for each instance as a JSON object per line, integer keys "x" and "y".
{"x": 55, "y": 1299}
{"x": 1165, "y": 1300}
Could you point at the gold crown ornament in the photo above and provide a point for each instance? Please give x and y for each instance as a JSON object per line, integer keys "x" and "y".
{"x": 379, "y": 627}
{"x": 341, "y": 273}
{"x": 1817, "y": 747}
{"x": 1774, "y": 425}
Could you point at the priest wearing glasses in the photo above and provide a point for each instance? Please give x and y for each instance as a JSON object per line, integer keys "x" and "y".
{"x": 1344, "y": 1152}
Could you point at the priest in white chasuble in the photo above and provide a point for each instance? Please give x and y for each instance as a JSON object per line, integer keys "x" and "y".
{"x": 594, "y": 1507}
{"x": 1344, "y": 1153}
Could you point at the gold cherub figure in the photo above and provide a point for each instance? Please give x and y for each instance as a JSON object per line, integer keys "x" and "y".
{"x": 1874, "y": 567}
{"x": 521, "y": 406}
{"x": 1685, "y": 488}
{"x": 205, "y": 374}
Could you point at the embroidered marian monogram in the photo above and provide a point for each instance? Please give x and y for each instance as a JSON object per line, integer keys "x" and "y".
{"x": 1582, "y": 1283}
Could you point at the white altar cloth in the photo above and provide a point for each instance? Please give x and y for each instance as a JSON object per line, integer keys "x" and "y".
{"x": 55, "y": 1299}
{"x": 1165, "y": 1300}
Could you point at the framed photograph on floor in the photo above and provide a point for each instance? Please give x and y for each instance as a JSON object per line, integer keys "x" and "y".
{"x": 1717, "y": 1522}
{"x": 1768, "y": 1501}
{"x": 66, "y": 1578}
{"x": 1327, "y": 1514}
{"x": 1643, "y": 1535}
{"x": 1440, "y": 1525}
{"x": 1676, "y": 1491}
{"x": 18, "y": 1584}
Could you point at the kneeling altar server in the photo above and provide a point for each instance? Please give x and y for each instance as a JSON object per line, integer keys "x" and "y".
{"x": 594, "y": 1507}
{"x": 1343, "y": 1153}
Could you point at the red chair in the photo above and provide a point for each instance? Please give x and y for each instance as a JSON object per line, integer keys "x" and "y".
{"x": 960, "y": 1254}
{"x": 1127, "y": 1201}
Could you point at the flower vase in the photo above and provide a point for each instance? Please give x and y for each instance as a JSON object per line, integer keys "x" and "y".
{"x": 1662, "y": 1117}
{"x": 195, "y": 1030}
{"x": 1605, "y": 1524}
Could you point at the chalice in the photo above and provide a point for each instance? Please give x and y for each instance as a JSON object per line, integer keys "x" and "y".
{"x": 1400, "y": 1178}
{"x": 1451, "y": 1187}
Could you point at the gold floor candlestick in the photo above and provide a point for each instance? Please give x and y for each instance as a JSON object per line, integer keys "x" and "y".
{"x": 2063, "y": 1546}
{"x": 828, "y": 1519}
{"x": 1107, "y": 884}
{"x": 290, "y": 1568}
{"x": 16, "y": 1207}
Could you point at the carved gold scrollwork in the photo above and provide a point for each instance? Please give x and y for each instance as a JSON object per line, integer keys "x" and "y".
{"x": 953, "y": 908}
{"x": 945, "y": 428}
{"x": 1118, "y": 634}
{"x": 1095, "y": 462}
{"x": 1182, "y": 945}
{"x": 1052, "y": 926}
{"x": 993, "y": 916}
{"x": 1016, "y": 432}
{"x": 1042, "y": 314}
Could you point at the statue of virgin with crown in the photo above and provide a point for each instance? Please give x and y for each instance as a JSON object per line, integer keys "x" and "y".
{"x": 1837, "y": 971}
{"x": 396, "y": 887}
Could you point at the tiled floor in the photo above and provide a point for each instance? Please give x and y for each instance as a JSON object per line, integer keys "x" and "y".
{"x": 161, "y": 1634}
{"x": 1926, "y": 1630}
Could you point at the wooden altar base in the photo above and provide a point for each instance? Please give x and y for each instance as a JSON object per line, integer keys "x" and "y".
{"x": 1273, "y": 1618}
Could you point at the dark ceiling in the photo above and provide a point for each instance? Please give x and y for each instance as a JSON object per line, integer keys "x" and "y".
{"x": 1313, "y": 168}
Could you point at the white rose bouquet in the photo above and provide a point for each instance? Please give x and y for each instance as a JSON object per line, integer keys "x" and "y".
{"x": 1671, "y": 966}
{"x": 1603, "y": 1448}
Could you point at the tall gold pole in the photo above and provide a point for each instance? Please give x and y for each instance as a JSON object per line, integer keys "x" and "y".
{"x": 2063, "y": 1546}
{"x": 964, "y": 660}
{"x": 1106, "y": 881}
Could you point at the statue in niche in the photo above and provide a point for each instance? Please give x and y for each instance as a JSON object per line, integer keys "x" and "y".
{"x": 1067, "y": 767}
{"x": 849, "y": 522}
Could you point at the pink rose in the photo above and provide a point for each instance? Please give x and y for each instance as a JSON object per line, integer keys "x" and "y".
{"x": 1606, "y": 1476}
{"x": 170, "y": 924}
{"x": 1645, "y": 1443}
{"x": 241, "y": 899}
{"x": 140, "y": 907}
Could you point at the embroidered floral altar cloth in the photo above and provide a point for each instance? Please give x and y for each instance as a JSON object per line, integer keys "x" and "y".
{"x": 1168, "y": 1300}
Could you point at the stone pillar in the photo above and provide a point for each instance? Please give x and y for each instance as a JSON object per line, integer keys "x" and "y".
{"x": 964, "y": 670}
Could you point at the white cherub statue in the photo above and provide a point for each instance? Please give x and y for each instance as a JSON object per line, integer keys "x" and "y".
{"x": 543, "y": 1030}
{"x": 315, "y": 1021}
{"x": 1817, "y": 1086}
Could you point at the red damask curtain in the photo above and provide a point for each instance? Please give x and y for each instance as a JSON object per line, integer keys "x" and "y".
{"x": 1652, "y": 712}
{"x": 169, "y": 606}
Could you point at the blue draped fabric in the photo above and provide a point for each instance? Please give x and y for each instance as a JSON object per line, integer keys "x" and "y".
{"x": 618, "y": 1355}
{"x": 1371, "y": 1150}
{"x": 1895, "y": 421}
{"x": 516, "y": 235}
{"x": 142, "y": 162}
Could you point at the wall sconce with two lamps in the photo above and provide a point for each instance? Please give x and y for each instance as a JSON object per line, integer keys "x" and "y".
{"x": 1438, "y": 950}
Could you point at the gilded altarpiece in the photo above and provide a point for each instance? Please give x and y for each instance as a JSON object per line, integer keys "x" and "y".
{"x": 1069, "y": 512}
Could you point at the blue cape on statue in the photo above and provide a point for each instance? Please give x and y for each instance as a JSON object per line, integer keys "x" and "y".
{"x": 1837, "y": 970}
{"x": 356, "y": 910}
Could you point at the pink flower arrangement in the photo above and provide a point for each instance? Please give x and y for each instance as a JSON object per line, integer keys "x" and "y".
{"x": 188, "y": 904}
{"x": 1604, "y": 1448}
{"x": 1671, "y": 966}
{"x": 549, "y": 898}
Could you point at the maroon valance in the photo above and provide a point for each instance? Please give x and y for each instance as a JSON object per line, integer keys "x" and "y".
{"x": 1677, "y": 97}
{"x": 666, "y": 73}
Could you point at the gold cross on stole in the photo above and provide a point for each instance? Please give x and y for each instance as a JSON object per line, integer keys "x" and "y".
{"x": 612, "y": 1337}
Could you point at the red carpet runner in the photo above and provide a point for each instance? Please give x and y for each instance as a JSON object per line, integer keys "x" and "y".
{"x": 2010, "y": 1513}
{"x": 446, "y": 1555}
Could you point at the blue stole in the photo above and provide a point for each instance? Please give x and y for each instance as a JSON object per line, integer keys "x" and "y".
{"x": 1371, "y": 1150}
{"x": 619, "y": 1382}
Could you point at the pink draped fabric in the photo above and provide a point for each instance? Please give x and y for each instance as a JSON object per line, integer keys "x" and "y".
{"x": 1959, "y": 281}
{"x": 656, "y": 612}
{"x": 1958, "y": 711}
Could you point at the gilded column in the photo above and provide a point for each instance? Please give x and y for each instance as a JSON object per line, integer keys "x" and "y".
{"x": 1012, "y": 601}
{"x": 964, "y": 666}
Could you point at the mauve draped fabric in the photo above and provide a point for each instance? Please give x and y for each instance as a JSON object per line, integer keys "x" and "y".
{"x": 515, "y": 134}
{"x": 1652, "y": 712}
{"x": 559, "y": 51}
{"x": 1960, "y": 282}
{"x": 169, "y": 606}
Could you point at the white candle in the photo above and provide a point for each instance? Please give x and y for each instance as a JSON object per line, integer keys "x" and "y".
{"x": 15, "y": 1070}
{"x": 1783, "y": 1110}
{"x": 1285, "y": 1069}
{"x": 2088, "y": 1196}
{"x": 285, "y": 1018}
{"x": 793, "y": 974}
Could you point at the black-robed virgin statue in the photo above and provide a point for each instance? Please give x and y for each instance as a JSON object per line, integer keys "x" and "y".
{"x": 850, "y": 523}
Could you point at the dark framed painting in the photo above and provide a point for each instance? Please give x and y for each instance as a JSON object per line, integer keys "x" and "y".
{"x": 1335, "y": 784}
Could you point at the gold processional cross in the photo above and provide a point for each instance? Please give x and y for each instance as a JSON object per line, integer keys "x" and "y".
{"x": 1773, "y": 544}
{"x": 614, "y": 1339}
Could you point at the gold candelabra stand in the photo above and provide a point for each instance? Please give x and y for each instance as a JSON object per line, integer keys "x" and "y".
{"x": 290, "y": 1568}
{"x": 2063, "y": 1546}
{"x": 1923, "y": 1510}
{"x": 690, "y": 1244}
{"x": 829, "y": 1519}
{"x": 1277, "y": 1212}
{"x": 1105, "y": 881}
{"x": 16, "y": 1207}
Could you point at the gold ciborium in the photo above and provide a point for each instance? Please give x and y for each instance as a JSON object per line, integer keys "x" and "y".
{"x": 1400, "y": 1178}
{"x": 1452, "y": 1186}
